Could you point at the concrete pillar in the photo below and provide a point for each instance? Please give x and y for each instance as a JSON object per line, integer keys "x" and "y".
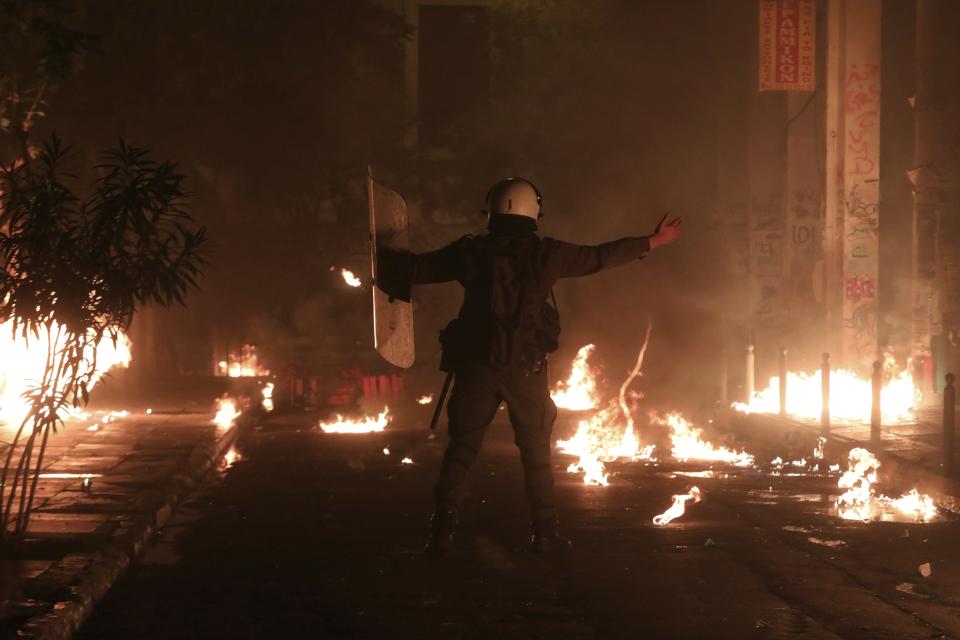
{"x": 853, "y": 176}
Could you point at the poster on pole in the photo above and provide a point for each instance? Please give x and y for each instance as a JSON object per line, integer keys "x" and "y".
{"x": 788, "y": 44}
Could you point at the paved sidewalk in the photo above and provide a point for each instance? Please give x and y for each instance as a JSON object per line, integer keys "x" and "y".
{"x": 919, "y": 442}
{"x": 911, "y": 454}
{"x": 110, "y": 483}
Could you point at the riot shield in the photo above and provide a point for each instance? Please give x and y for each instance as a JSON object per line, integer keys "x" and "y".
{"x": 392, "y": 317}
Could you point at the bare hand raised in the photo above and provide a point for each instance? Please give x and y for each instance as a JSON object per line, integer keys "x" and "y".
{"x": 666, "y": 232}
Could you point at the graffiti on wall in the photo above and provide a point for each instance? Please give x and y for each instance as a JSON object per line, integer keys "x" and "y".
{"x": 861, "y": 211}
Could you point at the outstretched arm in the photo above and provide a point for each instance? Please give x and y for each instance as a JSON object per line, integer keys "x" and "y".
{"x": 398, "y": 270}
{"x": 582, "y": 260}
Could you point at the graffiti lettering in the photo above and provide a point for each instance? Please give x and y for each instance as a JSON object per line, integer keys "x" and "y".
{"x": 861, "y": 286}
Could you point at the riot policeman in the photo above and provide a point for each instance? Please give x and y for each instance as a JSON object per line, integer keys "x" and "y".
{"x": 497, "y": 346}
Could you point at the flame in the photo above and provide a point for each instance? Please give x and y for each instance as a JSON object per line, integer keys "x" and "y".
{"x": 245, "y": 364}
{"x": 425, "y": 399}
{"x": 350, "y": 278}
{"x": 22, "y": 364}
{"x": 231, "y": 457}
{"x": 678, "y": 507}
{"x": 366, "y": 424}
{"x": 266, "y": 397}
{"x": 860, "y": 501}
{"x": 687, "y": 443}
{"x": 579, "y": 391}
{"x": 407, "y": 461}
{"x": 851, "y": 397}
{"x": 600, "y": 439}
{"x": 227, "y": 412}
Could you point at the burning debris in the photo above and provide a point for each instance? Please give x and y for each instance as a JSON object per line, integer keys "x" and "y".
{"x": 230, "y": 458}
{"x": 678, "y": 507}
{"x": 407, "y": 461}
{"x": 245, "y": 364}
{"x": 579, "y": 391}
{"x": 367, "y": 424}
{"x": 598, "y": 440}
{"x": 687, "y": 443}
{"x": 425, "y": 399}
{"x": 851, "y": 397}
{"x": 227, "y": 412}
{"x": 349, "y": 277}
{"x": 609, "y": 434}
{"x": 266, "y": 397}
{"x": 860, "y": 501}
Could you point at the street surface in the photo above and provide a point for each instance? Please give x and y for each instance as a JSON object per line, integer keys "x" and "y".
{"x": 312, "y": 535}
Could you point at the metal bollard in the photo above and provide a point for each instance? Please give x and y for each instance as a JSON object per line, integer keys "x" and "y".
{"x": 825, "y": 394}
{"x": 783, "y": 381}
{"x": 875, "y": 405}
{"x": 949, "y": 423}
{"x": 750, "y": 383}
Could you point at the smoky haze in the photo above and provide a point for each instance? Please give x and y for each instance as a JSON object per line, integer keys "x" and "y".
{"x": 620, "y": 112}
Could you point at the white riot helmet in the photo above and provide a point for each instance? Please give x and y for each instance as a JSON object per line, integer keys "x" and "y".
{"x": 514, "y": 196}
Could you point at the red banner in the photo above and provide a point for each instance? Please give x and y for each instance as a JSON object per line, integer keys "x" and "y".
{"x": 788, "y": 42}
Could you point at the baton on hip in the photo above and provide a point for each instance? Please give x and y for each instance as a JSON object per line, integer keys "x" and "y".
{"x": 440, "y": 400}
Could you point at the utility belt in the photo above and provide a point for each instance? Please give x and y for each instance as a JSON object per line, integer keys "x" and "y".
{"x": 462, "y": 345}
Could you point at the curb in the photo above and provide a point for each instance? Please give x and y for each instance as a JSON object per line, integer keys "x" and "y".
{"x": 84, "y": 578}
{"x": 895, "y": 469}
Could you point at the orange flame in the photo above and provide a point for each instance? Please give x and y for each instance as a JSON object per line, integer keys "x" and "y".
{"x": 227, "y": 412}
{"x": 245, "y": 364}
{"x": 602, "y": 437}
{"x": 851, "y": 397}
{"x": 350, "y": 278}
{"x": 22, "y": 363}
{"x": 687, "y": 443}
{"x": 367, "y": 424}
{"x": 678, "y": 508}
{"x": 860, "y": 501}
{"x": 425, "y": 399}
{"x": 266, "y": 397}
{"x": 579, "y": 391}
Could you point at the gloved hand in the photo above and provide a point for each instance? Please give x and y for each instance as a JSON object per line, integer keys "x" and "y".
{"x": 666, "y": 232}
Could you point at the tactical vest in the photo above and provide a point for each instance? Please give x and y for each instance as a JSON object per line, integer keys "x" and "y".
{"x": 505, "y": 319}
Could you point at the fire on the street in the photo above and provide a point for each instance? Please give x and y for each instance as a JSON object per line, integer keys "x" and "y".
{"x": 579, "y": 391}
{"x": 350, "y": 278}
{"x": 608, "y": 434}
{"x": 22, "y": 364}
{"x": 687, "y": 443}
{"x": 860, "y": 501}
{"x": 227, "y": 412}
{"x": 678, "y": 507}
{"x": 425, "y": 399}
{"x": 602, "y": 438}
{"x": 245, "y": 364}
{"x": 850, "y": 397}
{"x": 266, "y": 397}
{"x": 366, "y": 424}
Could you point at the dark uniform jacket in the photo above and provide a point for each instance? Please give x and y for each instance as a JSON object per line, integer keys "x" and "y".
{"x": 505, "y": 319}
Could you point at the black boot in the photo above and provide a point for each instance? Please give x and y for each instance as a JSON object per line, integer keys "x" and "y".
{"x": 547, "y": 539}
{"x": 443, "y": 522}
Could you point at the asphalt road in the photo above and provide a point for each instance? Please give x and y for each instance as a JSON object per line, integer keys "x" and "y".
{"x": 311, "y": 535}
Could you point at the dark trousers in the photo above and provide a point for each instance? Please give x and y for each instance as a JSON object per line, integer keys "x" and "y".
{"x": 477, "y": 394}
